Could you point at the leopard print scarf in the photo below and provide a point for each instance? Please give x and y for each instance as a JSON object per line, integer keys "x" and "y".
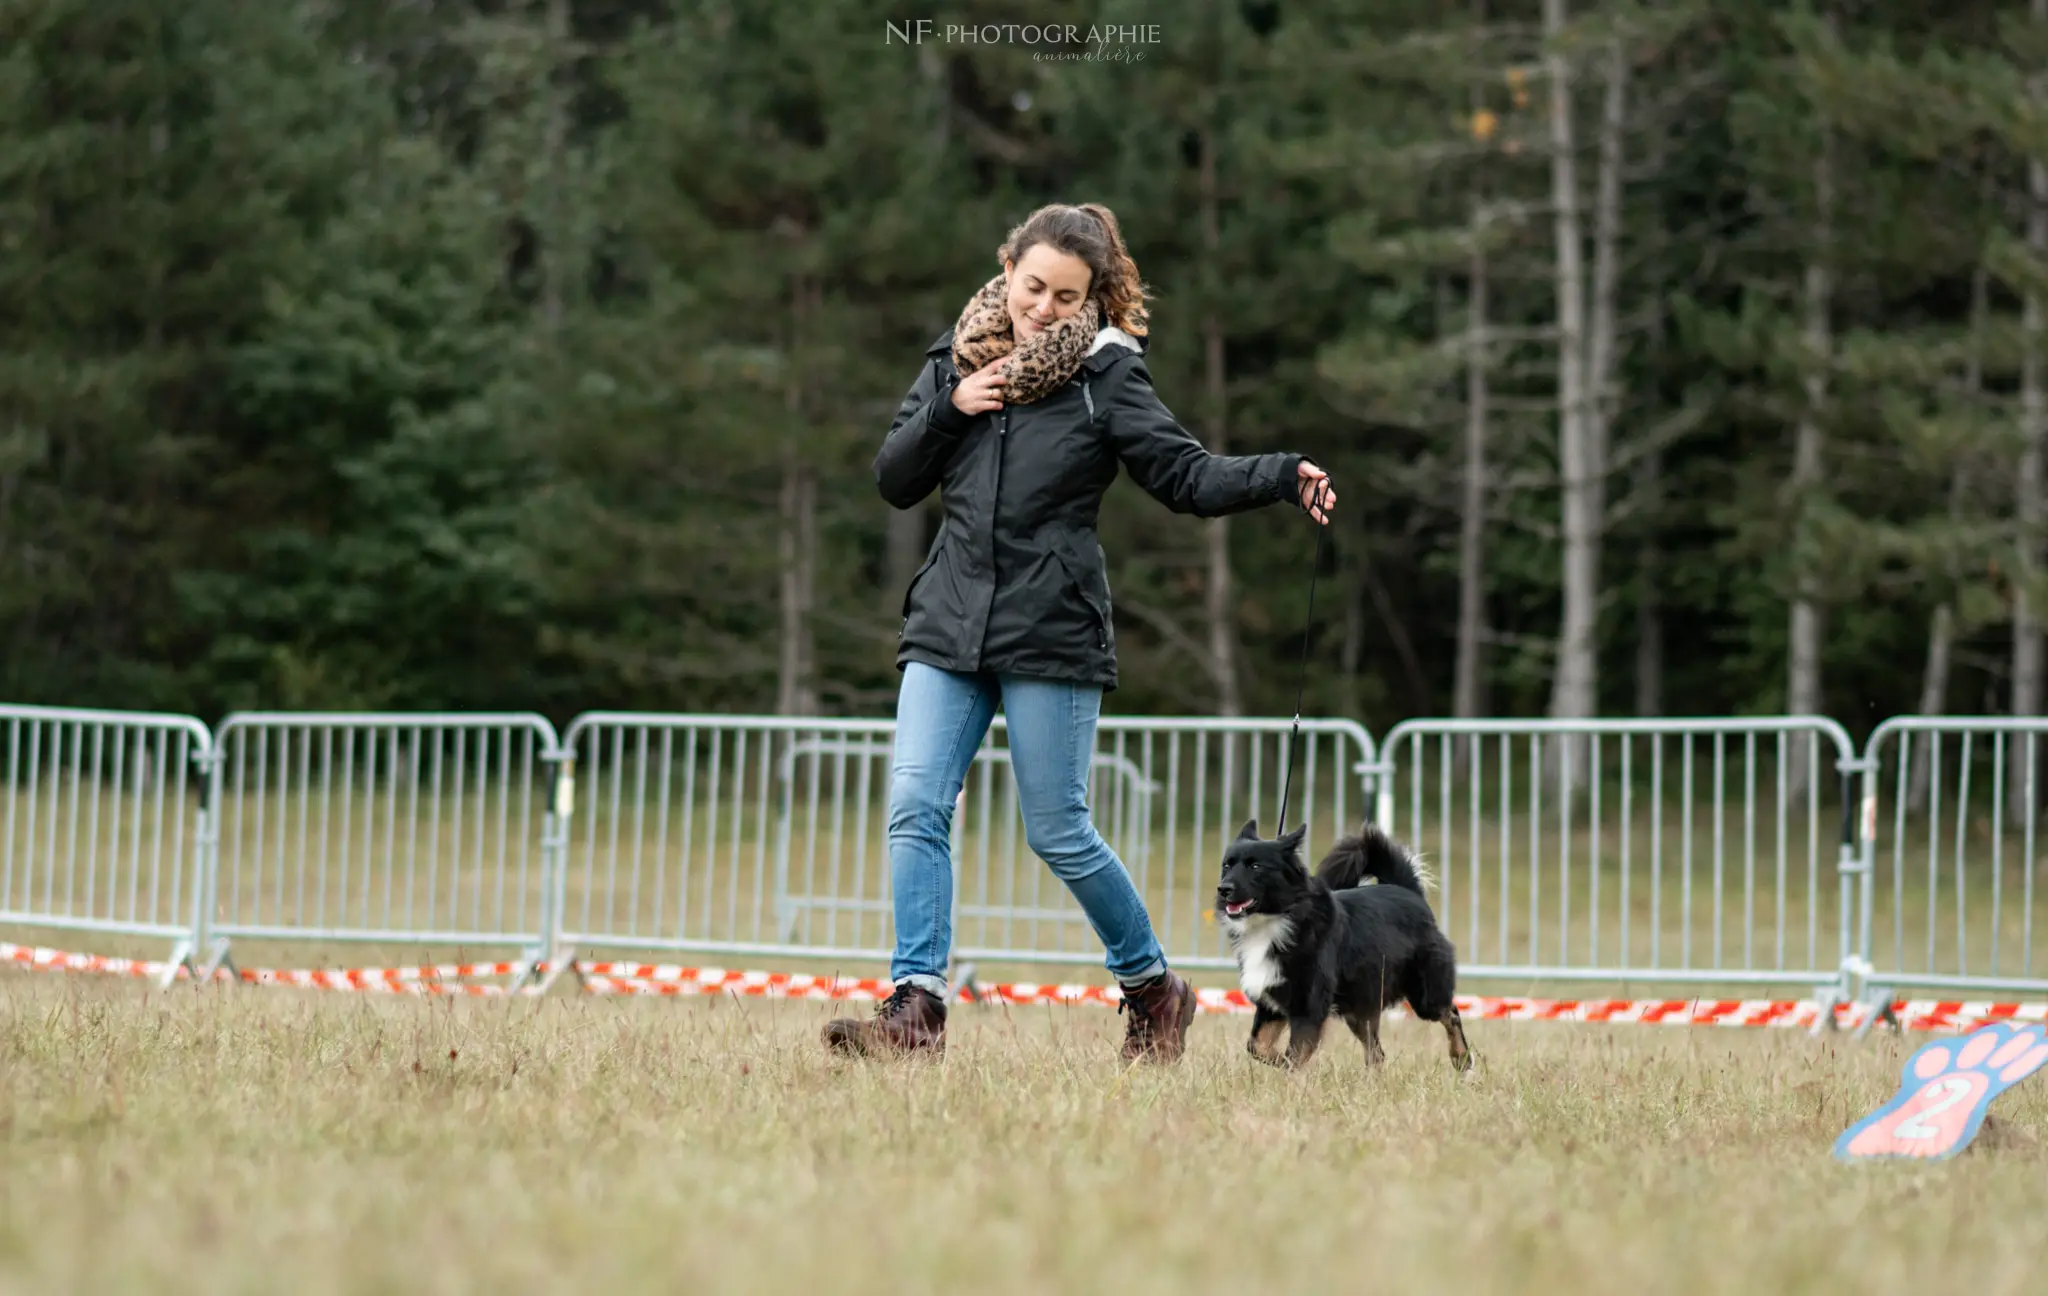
{"x": 1042, "y": 363}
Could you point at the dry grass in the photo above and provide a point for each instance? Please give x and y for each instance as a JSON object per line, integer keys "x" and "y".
{"x": 270, "y": 1140}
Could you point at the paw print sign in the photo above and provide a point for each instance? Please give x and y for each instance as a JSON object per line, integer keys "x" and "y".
{"x": 1943, "y": 1094}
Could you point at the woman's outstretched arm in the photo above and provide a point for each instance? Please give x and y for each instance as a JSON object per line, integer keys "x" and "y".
{"x": 1178, "y": 470}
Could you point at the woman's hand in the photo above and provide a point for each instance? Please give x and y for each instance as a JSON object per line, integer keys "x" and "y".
{"x": 981, "y": 391}
{"x": 1317, "y": 495}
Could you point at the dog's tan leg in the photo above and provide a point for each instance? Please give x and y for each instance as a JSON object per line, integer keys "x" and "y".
{"x": 1461, "y": 1052}
{"x": 1264, "y": 1043}
{"x": 1367, "y": 1028}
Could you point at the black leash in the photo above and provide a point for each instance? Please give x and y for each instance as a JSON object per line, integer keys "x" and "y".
{"x": 1301, "y": 682}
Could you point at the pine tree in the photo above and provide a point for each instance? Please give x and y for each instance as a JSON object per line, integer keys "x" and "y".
{"x": 1924, "y": 385}
{"x": 784, "y": 215}
{"x": 160, "y": 172}
{"x": 1435, "y": 155}
{"x": 1179, "y": 147}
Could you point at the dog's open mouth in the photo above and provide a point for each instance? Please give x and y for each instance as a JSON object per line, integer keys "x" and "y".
{"x": 1236, "y": 909}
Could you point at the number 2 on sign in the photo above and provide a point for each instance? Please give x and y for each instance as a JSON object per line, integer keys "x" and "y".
{"x": 1952, "y": 1090}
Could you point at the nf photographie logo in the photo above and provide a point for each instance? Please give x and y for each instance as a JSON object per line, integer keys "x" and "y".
{"x": 1059, "y": 42}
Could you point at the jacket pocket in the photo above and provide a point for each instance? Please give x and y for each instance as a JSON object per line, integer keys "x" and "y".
{"x": 930, "y": 561}
{"x": 1090, "y": 582}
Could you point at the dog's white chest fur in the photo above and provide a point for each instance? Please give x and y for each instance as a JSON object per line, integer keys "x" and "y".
{"x": 1258, "y": 941}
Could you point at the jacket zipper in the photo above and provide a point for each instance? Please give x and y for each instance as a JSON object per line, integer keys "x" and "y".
{"x": 1102, "y": 617}
{"x": 994, "y": 504}
{"x": 1003, "y": 431}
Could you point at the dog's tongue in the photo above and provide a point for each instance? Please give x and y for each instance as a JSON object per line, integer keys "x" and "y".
{"x": 1235, "y": 909}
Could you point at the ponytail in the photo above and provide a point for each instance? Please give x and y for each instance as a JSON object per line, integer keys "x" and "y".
{"x": 1122, "y": 291}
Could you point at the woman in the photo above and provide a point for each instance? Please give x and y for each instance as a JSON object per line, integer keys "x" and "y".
{"x": 1020, "y": 418}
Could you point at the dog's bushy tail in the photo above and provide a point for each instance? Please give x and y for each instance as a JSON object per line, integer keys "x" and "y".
{"x": 1373, "y": 854}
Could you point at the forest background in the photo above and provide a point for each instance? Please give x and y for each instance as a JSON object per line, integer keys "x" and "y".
{"x": 1670, "y": 358}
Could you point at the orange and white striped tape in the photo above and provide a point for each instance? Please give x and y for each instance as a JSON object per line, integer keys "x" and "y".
{"x": 448, "y": 978}
{"x": 1918, "y": 1015}
{"x": 666, "y": 979}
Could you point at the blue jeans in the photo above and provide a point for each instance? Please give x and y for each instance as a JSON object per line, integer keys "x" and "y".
{"x": 941, "y": 718}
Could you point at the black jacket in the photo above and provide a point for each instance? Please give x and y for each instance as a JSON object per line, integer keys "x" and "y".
{"x": 1015, "y": 581}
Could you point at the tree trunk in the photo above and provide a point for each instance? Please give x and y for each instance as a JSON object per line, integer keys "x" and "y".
{"x": 1651, "y": 491}
{"x": 1472, "y": 525}
{"x": 1573, "y": 687}
{"x": 1933, "y": 692}
{"x": 1803, "y": 674}
{"x": 1942, "y": 627}
{"x": 796, "y": 685}
{"x": 1467, "y": 677}
{"x": 2026, "y": 621}
{"x": 906, "y": 529}
{"x": 1219, "y": 607}
{"x": 1650, "y": 597}
{"x": 555, "y": 241}
{"x": 1601, "y": 393}
{"x": 796, "y": 691}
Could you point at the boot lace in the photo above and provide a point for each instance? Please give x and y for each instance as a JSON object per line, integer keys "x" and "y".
{"x": 1138, "y": 1024}
{"x": 897, "y": 1003}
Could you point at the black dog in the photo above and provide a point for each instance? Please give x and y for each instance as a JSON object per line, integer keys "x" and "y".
{"x": 1310, "y": 946}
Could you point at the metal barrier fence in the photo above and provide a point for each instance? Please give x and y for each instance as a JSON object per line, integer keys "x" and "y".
{"x": 769, "y": 837}
{"x": 687, "y": 826}
{"x": 103, "y": 822}
{"x": 1666, "y": 850}
{"x": 403, "y": 829}
{"x": 986, "y": 811}
{"x": 1951, "y": 826}
{"x": 1211, "y": 776}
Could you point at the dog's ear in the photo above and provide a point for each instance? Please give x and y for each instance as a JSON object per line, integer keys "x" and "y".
{"x": 1292, "y": 841}
{"x": 1250, "y": 831}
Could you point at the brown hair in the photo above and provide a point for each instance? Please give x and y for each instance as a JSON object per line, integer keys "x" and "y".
{"x": 1088, "y": 231}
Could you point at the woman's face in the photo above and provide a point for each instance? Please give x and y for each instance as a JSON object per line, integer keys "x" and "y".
{"x": 1046, "y": 286}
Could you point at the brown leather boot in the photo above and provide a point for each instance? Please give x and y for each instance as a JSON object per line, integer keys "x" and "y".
{"x": 910, "y": 1020}
{"x": 1156, "y": 1020}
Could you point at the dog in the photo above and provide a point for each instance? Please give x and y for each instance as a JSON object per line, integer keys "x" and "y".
{"x": 1312, "y": 945}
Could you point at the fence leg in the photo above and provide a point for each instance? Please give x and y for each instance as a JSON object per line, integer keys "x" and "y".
{"x": 1873, "y": 1003}
{"x": 964, "y": 984}
{"x": 180, "y": 960}
{"x": 1827, "y": 998}
{"x": 1376, "y": 781}
{"x": 1853, "y": 868}
{"x": 1880, "y": 1011}
{"x": 1876, "y": 1002}
{"x": 541, "y": 965}
{"x": 547, "y": 958}
{"x": 204, "y": 945}
{"x": 1855, "y": 987}
{"x": 217, "y": 959}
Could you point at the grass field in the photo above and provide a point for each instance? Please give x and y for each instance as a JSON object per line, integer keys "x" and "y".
{"x": 253, "y": 1141}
